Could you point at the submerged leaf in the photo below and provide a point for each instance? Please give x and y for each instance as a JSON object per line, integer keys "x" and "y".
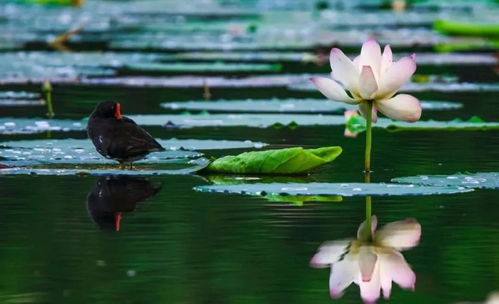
{"x": 328, "y": 189}
{"x": 284, "y": 161}
{"x": 484, "y": 180}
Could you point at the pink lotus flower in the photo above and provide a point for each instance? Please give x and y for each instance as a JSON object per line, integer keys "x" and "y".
{"x": 372, "y": 76}
{"x": 371, "y": 264}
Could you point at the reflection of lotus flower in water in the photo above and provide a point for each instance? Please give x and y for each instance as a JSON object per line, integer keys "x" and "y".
{"x": 372, "y": 76}
{"x": 372, "y": 265}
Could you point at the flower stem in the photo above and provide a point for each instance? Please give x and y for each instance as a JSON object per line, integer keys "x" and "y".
{"x": 367, "y": 169}
{"x": 369, "y": 233}
{"x": 47, "y": 95}
{"x": 369, "y": 137}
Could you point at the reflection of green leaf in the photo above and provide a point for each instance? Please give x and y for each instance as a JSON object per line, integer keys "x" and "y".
{"x": 284, "y": 161}
{"x": 298, "y": 200}
{"x": 358, "y": 124}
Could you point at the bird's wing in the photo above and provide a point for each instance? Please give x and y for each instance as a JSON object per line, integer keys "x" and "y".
{"x": 133, "y": 140}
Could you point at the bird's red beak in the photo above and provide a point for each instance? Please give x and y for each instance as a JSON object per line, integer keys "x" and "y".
{"x": 117, "y": 114}
{"x": 117, "y": 220}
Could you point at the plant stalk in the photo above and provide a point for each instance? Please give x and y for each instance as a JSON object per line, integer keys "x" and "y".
{"x": 47, "y": 95}
{"x": 369, "y": 137}
{"x": 367, "y": 169}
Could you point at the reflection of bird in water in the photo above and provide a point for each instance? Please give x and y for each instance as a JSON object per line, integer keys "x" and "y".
{"x": 115, "y": 194}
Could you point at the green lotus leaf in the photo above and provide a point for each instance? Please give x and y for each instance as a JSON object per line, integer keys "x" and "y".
{"x": 451, "y": 27}
{"x": 283, "y": 161}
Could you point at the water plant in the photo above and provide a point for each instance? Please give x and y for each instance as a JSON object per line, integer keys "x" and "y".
{"x": 371, "y": 81}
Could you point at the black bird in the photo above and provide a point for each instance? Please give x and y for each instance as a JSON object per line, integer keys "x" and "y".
{"x": 118, "y": 137}
{"x": 113, "y": 195}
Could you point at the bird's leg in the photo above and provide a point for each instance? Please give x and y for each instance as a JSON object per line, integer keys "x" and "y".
{"x": 131, "y": 166}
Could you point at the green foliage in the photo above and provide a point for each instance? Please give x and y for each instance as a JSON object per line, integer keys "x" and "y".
{"x": 284, "y": 161}
{"x": 451, "y": 27}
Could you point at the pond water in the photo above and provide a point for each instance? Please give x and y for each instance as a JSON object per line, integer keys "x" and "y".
{"x": 154, "y": 239}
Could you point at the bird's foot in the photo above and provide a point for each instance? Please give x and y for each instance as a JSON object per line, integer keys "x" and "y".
{"x": 131, "y": 167}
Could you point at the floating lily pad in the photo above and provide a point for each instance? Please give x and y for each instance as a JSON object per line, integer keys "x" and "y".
{"x": 81, "y": 151}
{"x": 171, "y": 81}
{"x": 204, "y": 67}
{"x": 358, "y": 124}
{"x": 282, "y": 161}
{"x": 422, "y": 87}
{"x": 187, "y": 81}
{"x": 37, "y": 125}
{"x": 484, "y": 180}
{"x": 286, "y": 105}
{"x": 70, "y": 151}
{"x": 48, "y": 65}
{"x": 248, "y": 56}
{"x": 191, "y": 166}
{"x": 332, "y": 189}
{"x": 21, "y": 102}
{"x": 18, "y": 95}
{"x": 293, "y": 199}
{"x": 231, "y": 120}
{"x": 422, "y": 58}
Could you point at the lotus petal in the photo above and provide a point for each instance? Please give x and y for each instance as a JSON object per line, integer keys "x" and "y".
{"x": 386, "y": 60}
{"x": 332, "y": 90}
{"x": 367, "y": 83}
{"x": 342, "y": 275}
{"x": 401, "y": 107}
{"x": 329, "y": 253}
{"x": 370, "y": 55}
{"x": 395, "y": 77}
{"x": 343, "y": 70}
{"x": 395, "y": 266}
{"x": 367, "y": 261}
{"x": 369, "y": 291}
{"x": 400, "y": 234}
